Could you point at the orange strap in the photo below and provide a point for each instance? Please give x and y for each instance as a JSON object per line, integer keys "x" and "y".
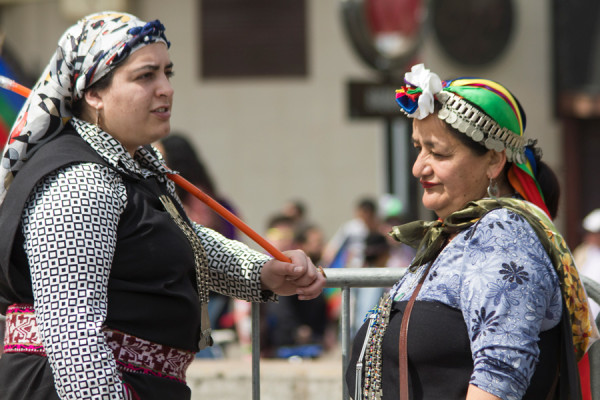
{"x": 229, "y": 216}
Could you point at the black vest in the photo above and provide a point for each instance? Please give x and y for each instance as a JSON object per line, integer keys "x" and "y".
{"x": 152, "y": 290}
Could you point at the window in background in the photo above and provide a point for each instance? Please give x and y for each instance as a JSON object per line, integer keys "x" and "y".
{"x": 253, "y": 38}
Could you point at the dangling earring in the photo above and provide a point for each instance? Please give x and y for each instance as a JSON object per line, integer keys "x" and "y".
{"x": 97, "y": 125}
{"x": 492, "y": 190}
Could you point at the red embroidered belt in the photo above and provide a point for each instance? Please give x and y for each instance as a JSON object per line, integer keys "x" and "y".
{"x": 131, "y": 353}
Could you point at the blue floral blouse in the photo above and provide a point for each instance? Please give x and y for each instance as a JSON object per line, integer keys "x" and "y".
{"x": 499, "y": 275}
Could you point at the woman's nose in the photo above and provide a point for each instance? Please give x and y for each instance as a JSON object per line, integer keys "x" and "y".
{"x": 165, "y": 88}
{"x": 417, "y": 167}
{"x": 421, "y": 167}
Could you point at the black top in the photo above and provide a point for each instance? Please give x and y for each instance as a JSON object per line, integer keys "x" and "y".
{"x": 439, "y": 355}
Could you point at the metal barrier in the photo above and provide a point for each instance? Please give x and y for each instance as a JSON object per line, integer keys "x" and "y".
{"x": 345, "y": 278}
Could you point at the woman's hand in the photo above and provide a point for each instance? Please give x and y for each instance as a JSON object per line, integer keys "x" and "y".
{"x": 299, "y": 277}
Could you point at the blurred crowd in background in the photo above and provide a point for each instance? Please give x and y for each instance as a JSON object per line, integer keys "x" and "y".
{"x": 290, "y": 327}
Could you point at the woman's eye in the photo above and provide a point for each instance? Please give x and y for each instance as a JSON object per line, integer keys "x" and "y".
{"x": 170, "y": 74}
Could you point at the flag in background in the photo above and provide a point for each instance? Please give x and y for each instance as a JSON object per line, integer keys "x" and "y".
{"x": 333, "y": 296}
{"x": 10, "y": 104}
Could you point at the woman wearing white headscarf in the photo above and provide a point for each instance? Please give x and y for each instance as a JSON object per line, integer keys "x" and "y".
{"x": 103, "y": 278}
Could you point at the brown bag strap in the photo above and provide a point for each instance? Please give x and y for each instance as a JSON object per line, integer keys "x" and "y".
{"x": 403, "y": 346}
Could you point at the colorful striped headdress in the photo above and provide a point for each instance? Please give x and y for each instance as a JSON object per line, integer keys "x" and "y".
{"x": 486, "y": 112}
{"x": 86, "y": 52}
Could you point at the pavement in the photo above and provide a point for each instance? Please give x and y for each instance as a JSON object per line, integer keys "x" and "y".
{"x": 292, "y": 379}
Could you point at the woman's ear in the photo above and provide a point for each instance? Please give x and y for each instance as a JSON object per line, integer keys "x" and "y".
{"x": 91, "y": 104}
{"x": 93, "y": 99}
{"x": 497, "y": 163}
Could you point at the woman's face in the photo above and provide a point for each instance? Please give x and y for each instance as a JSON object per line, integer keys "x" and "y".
{"x": 136, "y": 108}
{"x": 451, "y": 174}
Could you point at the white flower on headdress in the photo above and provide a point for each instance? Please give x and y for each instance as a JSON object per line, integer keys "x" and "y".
{"x": 429, "y": 82}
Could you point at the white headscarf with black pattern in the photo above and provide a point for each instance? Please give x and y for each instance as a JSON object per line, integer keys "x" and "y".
{"x": 86, "y": 52}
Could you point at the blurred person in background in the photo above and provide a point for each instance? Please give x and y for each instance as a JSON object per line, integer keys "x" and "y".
{"x": 346, "y": 246}
{"x": 377, "y": 255}
{"x": 587, "y": 254}
{"x": 293, "y": 327}
{"x": 296, "y": 210}
{"x": 392, "y": 214}
{"x": 310, "y": 239}
{"x": 401, "y": 254}
{"x": 180, "y": 155}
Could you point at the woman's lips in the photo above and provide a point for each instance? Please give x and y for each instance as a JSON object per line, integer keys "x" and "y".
{"x": 428, "y": 185}
{"x": 162, "y": 112}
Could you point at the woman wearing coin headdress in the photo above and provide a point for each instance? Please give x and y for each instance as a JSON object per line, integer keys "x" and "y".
{"x": 495, "y": 304}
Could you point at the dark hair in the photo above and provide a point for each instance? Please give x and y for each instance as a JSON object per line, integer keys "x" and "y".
{"x": 181, "y": 156}
{"x": 103, "y": 83}
{"x": 367, "y": 204}
{"x": 280, "y": 219}
{"x": 376, "y": 245}
{"x": 550, "y": 187}
{"x": 301, "y": 234}
{"x": 299, "y": 206}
